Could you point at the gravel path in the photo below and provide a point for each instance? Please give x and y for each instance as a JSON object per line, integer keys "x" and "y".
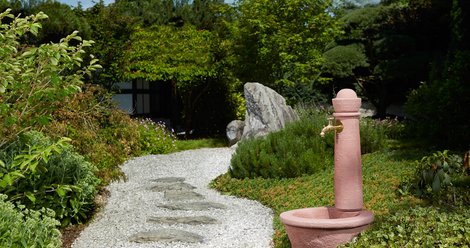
{"x": 158, "y": 183}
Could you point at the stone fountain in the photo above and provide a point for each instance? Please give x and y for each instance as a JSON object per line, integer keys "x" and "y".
{"x": 332, "y": 226}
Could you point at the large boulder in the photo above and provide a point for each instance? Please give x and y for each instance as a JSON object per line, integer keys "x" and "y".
{"x": 266, "y": 111}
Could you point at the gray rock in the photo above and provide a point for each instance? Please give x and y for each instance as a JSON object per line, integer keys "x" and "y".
{"x": 182, "y": 195}
{"x": 266, "y": 111}
{"x": 189, "y": 220}
{"x": 159, "y": 187}
{"x": 166, "y": 235}
{"x": 235, "y": 131}
{"x": 169, "y": 180}
{"x": 196, "y": 206}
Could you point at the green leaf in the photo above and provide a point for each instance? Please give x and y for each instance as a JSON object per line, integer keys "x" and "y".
{"x": 54, "y": 61}
{"x": 33, "y": 165}
{"x": 7, "y": 180}
{"x": 60, "y": 191}
{"x": 30, "y": 196}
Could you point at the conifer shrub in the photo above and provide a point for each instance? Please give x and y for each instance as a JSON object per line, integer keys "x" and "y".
{"x": 21, "y": 227}
{"x": 298, "y": 149}
{"x": 294, "y": 151}
{"x": 39, "y": 173}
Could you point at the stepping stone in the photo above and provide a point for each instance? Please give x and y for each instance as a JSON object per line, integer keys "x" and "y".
{"x": 178, "y": 195}
{"x": 166, "y": 235}
{"x": 196, "y": 206}
{"x": 190, "y": 220}
{"x": 169, "y": 179}
{"x": 172, "y": 186}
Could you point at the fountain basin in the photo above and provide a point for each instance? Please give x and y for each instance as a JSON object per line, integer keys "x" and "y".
{"x": 324, "y": 226}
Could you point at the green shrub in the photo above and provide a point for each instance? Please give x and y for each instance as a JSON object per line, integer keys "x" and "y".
{"x": 41, "y": 174}
{"x": 438, "y": 109}
{"x": 20, "y": 227}
{"x": 34, "y": 79}
{"x": 296, "y": 150}
{"x": 104, "y": 135}
{"x": 419, "y": 227}
{"x": 155, "y": 138}
{"x": 435, "y": 177}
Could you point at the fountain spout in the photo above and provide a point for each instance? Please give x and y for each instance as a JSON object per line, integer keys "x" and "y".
{"x": 337, "y": 128}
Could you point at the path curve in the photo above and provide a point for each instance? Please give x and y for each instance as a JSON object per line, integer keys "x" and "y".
{"x": 157, "y": 182}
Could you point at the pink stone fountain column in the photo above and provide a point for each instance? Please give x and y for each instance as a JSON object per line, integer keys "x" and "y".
{"x": 328, "y": 227}
{"x": 348, "y": 169}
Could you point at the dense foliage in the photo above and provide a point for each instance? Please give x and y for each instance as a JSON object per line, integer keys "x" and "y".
{"x": 22, "y": 227}
{"x": 32, "y": 79}
{"x": 439, "y": 178}
{"x": 41, "y": 174}
{"x": 279, "y": 43}
{"x": 443, "y": 121}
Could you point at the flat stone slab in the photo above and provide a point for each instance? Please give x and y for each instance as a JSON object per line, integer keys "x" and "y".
{"x": 189, "y": 220}
{"x": 172, "y": 186}
{"x": 196, "y": 206}
{"x": 166, "y": 235}
{"x": 181, "y": 195}
{"x": 169, "y": 179}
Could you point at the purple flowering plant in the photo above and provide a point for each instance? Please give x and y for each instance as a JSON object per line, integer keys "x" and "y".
{"x": 155, "y": 137}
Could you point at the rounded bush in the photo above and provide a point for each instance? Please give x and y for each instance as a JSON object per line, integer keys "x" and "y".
{"x": 294, "y": 151}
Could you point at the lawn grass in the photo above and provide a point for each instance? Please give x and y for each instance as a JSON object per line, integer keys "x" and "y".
{"x": 382, "y": 173}
{"x": 189, "y": 144}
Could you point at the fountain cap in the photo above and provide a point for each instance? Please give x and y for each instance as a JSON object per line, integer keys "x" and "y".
{"x": 346, "y": 101}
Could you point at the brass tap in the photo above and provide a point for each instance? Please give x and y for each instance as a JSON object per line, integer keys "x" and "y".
{"x": 337, "y": 128}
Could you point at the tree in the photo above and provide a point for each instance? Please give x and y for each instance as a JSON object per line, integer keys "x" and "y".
{"x": 385, "y": 52}
{"x": 280, "y": 43}
{"x": 62, "y": 21}
{"x": 180, "y": 55}
{"x": 111, "y": 29}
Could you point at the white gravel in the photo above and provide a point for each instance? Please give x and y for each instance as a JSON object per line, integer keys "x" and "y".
{"x": 244, "y": 224}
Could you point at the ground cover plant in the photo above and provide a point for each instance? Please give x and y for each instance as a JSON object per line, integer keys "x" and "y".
{"x": 21, "y": 227}
{"x": 188, "y": 144}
